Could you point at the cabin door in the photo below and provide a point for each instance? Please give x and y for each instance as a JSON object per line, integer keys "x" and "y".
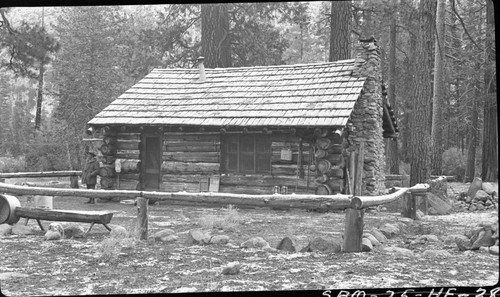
{"x": 151, "y": 162}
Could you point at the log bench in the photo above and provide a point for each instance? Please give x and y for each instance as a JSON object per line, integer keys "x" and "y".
{"x": 92, "y": 217}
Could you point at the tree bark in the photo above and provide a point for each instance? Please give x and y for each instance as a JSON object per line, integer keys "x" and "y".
{"x": 421, "y": 113}
{"x": 215, "y": 42}
{"x": 392, "y": 145}
{"x": 39, "y": 98}
{"x": 490, "y": 129}
{"x": 439, "y": 85}
{"x": 340, "y": 30}
{"x": 470, "y": 169}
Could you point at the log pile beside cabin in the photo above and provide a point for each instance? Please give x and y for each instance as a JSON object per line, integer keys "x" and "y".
{"x": 174, "y": 132}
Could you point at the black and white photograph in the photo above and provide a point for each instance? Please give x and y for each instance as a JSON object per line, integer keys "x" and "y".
{"x": 321, "y": 148}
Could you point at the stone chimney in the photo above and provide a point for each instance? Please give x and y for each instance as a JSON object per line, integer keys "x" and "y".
{"x": 367, "y": 116}
{"x": 201, "y": 67}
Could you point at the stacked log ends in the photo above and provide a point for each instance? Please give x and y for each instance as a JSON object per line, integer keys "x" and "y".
{"x": 329, "y": 163}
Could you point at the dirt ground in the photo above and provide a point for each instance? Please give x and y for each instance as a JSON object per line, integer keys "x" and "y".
{"x": 32, "y": 266}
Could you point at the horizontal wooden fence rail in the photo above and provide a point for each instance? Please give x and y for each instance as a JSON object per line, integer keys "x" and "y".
{"x": 302, "y": 201}
{"x": 42, "y": 174}
{"x": 331, "y": 202}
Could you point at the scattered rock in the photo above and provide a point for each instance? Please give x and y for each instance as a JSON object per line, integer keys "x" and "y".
{"x": 483, "y": 239}
{"x": 494, "y": 250}
{"x": 366, "y": 245}
{"x": 372, "y": 239}
{"x": 286, "y": 245}
{"x": 472, "y": 233}
{"x": 185, "y": 290}
{"x": 463, "y": 242}
{"x": 5, "y": 229}
{"x": 255, "y": 242}
{"x": 219, "y": 239}
{"x": 167, "y": 239}
{"x": 449, "y": 239}
{"x": 389, "y": 230}
{"x": 428, "y": 237}
{"x": 473, "y": 188}
{"x": 72, "y": 230}
{"x": 397, "y": 251}
{"x": 484, "y": 249}
{"x": 231, "y": 268}
{"x": 197, "y": 236}
{"x": 378, "y": 235}
{"x": 480, "y": 207}
{"x": 56, "y": 227}
{"x": 420, "y": 214}
{"x": 162, "y": 235}
{"x": 52, "y": 235}
{"x": 119, "y": 232}
{"x": 481, "y": 196}
{"x": 436, "y": 253}
{"x": 22, "y": 230}
{"x": 319, "y": 244}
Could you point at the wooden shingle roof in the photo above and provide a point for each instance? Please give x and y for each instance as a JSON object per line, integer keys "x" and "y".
{"x": 321, "y": 94}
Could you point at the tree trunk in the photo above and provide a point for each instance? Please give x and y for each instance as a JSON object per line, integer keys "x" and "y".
{"x": 490, "y": 129}
{"x": 340, "y": 30}
{"x": 215, "y": 43}
{"x": 392, "y": 145}
{"x": 472, "y": 142}
{"x": 39, "y": 98}
{"x": 421, "y": 113}
{"x": 439, "y": 85}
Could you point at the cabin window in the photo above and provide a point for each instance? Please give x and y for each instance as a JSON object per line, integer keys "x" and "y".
{"x": 247, "y": 153}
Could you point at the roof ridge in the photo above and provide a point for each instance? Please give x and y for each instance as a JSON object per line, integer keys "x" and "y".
{"x": 303, "y": 65}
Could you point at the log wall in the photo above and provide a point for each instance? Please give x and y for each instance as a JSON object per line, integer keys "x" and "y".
{"x": 294, "y": 173}
{"x": 191, "y": 160}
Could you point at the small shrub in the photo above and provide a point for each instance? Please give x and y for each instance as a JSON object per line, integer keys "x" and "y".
{"x": 454, "y": 162}
{"x": 11, "y": 164}
{"x": 228, "y": 221}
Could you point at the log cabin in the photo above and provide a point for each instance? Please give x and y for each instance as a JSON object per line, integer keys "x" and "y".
{"x": 253, "y": 130}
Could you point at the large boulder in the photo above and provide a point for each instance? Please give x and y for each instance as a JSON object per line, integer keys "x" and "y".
{"x": 22, "y": 230}
{"x": 389, "y": 230}
{"x": 72, "y": 230}
{"x": 287, "y": 245}
{"x": 5, "y": 229}
{"x": 255, "y": 242}
{"x": 164, "y": 235}
{"x": 231, "y": 268}
{"x": 483, "y": 239}
{"x": 197, "y": 236}
{"x": 374, "y": 241}
{"x": 475, "y": 186}
{"x": 320, "y": 244}
{"x": 219, "y": 239}
{"x": 481, "y": 196}
{"x": 463, "y": 242}
{"x": 366, "y": 245}
{"x": 53, "y": 235}
{"x": 489, "y": 188}
{"x": 378, "y": 235}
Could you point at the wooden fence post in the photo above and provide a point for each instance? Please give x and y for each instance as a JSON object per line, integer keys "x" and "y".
{"x": 73, "y": 181}
{"x": 408, "y": 207}
{"x": 353, "y": 230}
{"x": 142, "y": 218}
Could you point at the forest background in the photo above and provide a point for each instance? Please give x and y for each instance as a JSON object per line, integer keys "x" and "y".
{"x": 62, "y": 65}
